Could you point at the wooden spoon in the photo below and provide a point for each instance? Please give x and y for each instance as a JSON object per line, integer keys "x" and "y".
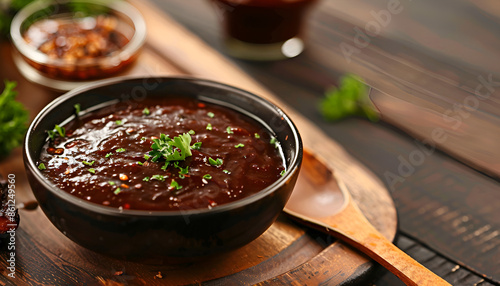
{"x": 329, "y": 208}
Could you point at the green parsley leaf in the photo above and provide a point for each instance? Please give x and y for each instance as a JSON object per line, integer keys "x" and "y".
{"x": 207, "y": 177}
{"x": 109, "y": 155}
{"x": 41, "y": 166}
{"x": 88, "y": 163}
{"x": 274, "y": 141}
{"x": 196, "y": 146}
{"x": 78, "y": 108}
{"x": 117, "y": 191}
{"x": 92, "y": 170}
{"x": 146, "y": 179}
{"x": 60, "y": 130}
{"x": 184, "y": 171}
{"x": 239, "y": 145}
{"x": 228, "y": 130}
{"x": 175, "y": 149}
{"x": 349, "y": 99}
{"x": 175, "y": 185}
{"x": 191, "y": 132}
{"x": 216, "y": 163}
{"x": 146, "y": 156}
{"x": 119, "y": 122}
{"x": 111, "y": 183}
{"x": 209, "y": 127}
{"x": 119, "y": 150}
{"x": 146, "y": 111}
{"x": 283, "y": 173}
{"x": 140, "y": 163}
{"x": 226, "y": 171}
{"x": 257, "y": 135}
{"x": 211, "y": 114}
{"x": 158, "y": 177}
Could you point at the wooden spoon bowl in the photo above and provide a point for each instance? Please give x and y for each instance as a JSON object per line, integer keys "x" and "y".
{"x": 328, "y": 207}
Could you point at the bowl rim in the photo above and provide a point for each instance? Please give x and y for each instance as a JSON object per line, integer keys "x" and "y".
{"x": 121, "y": 55}
{"x": 94, "y": 207}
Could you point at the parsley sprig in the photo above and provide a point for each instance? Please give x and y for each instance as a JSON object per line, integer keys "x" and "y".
{"x": 176, "y": 149}
{"x": 13, "y": 120}
{"x": 349, "y": 99}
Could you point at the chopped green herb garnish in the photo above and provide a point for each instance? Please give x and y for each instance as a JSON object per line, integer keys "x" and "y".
{"x": 175, "y": 185}
{"x": 41, "y": 166}
{"x": 119, "y": 122}
{"x": 349, "y": 99}
{"x": 78, "y": 108}
{"x": 228, "y": 130}
{"x": 60, "y": 130}
{"x": 146, "y": 179}
{"x": 120, "y": 150}
{"x": 207, "y": 177}
{"x": 92, "y": 170}
{"x": 146, "y": 156}
{"x": 88, "y": 163}
{"x": 145, "y": 111}
{"x": 191, "y": 132}
{"x": 257, "y": 135}
{"x": 140, "y": 163}
{"x": 283, "y": 173}
{"x": 274, "y": 142}
{"x": 175, "y": 149}
{"x": 158, "y": 177}
{"x": 216, "y": 163}
{"x": 239, "y": 145}
{"x": 184, "y": 171}
{"x": 109, "y": 155}
{"x": 164, "y": 167}
{"x": 117, "y": 191}
{"x": 209, "y": 126}
{"x": 226, "y": 171}
{"x": 211, "y": 114}
{"x": 181, "y": 176}
{"x": 144, "y": 138}
{"x": 196, "y": 146}
{"x": 111, "y": 183}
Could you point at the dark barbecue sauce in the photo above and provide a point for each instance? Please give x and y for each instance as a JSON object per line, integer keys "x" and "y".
{"x": 104, "y": 158}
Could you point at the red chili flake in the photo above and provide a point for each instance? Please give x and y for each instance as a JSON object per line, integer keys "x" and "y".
{"x": 212, "y": 203}
{"x": 201, "y": 105}
{"x": 59, "y": 151}
{"x": 124, "y": 186}
{"x": 123, "y": 177}
{"x": 118, "y": 273}
{"x": 159, "y": 276}
{"x": 286, "y": 138}
{"x": 67, "y": 171}
{"x": 126, "y": 206}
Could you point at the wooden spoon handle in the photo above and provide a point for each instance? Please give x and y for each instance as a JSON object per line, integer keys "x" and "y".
{"x": 357, "y": 231}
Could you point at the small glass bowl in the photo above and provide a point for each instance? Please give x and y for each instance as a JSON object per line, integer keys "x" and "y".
{"x": 65, "y": 74}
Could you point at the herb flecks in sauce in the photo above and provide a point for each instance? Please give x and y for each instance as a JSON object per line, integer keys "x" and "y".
{"x": 170, "y": 161}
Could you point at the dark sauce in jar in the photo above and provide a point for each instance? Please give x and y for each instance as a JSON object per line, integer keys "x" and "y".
{"x": 264, "y": 21}
{"x": 75, "y": 42}
{"x": 104, "y": 157}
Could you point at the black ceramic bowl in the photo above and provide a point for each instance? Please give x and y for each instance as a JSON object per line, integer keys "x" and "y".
{"x": 162, "y": 235}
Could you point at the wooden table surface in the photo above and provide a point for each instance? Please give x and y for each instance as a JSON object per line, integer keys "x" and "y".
{"x": 424, "y": 63}
{"x": 449, "y": 203}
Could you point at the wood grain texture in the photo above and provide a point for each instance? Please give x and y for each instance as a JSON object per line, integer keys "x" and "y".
{"x": 286, "y": 252}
